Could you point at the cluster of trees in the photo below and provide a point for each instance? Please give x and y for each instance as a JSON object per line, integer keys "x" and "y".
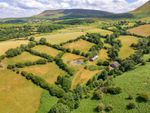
{"x": 15, "y": 32}
{"x": 64, "y": 82}
{"x": 144, "y": 45}
{"x": 22, "y": 65}
{"x": 53, "y": 89}
{"x": 77, "y": 21}
{"x": 17, "y": 51}
{"x": 43, "y": 55}
{"x": 63, "y": 66}
{"x": 101, "y": 107}
{"x": 49, "y": 28}
{"x": 68, "y": 102}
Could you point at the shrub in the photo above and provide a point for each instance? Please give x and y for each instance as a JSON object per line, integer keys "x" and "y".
{"x": 98, "y": 94}
{"x": 59, "y": 108}
{"x": 130, "y": 97}
{"x": 143, "y": 97}
{"x": 114, "y": 90}
{"x": 109, "y": 108}
{"x": 131, "y": 105}
{"x": 100, "y": 107}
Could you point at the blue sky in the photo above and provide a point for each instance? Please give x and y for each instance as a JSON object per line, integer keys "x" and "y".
{"x": 23, "y": 8}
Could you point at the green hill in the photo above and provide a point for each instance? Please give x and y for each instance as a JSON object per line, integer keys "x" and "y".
{"x": 143, "y": 11}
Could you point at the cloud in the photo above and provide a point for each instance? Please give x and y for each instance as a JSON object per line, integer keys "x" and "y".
{"x": 21, "y": 8}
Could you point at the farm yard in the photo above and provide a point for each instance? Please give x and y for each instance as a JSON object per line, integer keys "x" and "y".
{"x": 83, "y": 65}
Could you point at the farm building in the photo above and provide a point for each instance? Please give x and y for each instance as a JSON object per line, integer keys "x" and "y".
{"x": 94, "y": 58}
{"x": 114, "y": 64}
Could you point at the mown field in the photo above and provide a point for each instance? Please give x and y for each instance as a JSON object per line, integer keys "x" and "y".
{"x": 132, "y": 82}
{"x": 143, "y": 30}
{"x": 17, "y": 95}
{"x": 5, "y": 45}
{"x": 126, "y": 50}
{"x": 70, "y": 33}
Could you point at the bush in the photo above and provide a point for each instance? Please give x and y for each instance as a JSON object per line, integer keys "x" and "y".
{"x": 130, "y": 97}
{"x": 98, "y": 94}
{"x": 143, "y": 97}
{"x": 131, "y": 105}
{"x": 100, "y": 107}
{"x": 59, "y": 108}
{"x": 114, "y": 90}
{"x": 109, "y": 108}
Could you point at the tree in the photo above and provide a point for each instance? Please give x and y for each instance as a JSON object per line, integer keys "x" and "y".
{"x": 60, "y": 108}
{"x": 65, "y": 82}
{"x": 42, "y": 41}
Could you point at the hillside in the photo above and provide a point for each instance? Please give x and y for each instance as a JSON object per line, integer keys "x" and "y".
{"x": 79, "y": 13}
{"x": 143, "y": 11}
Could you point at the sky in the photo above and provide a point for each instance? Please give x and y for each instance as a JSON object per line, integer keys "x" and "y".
{"x": 24, "y": 8}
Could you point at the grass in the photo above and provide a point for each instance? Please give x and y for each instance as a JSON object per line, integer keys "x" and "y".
{"x": 126, "y": 50}
{"x": 70, "y": 33}
{"x": 132, "y": 82}
{"x": 143, "y": 30}
{"x": 49, "y": 72}
{"x": 46, "y": 102}
{"x": 60, "y": 37}
{"x": 103, "y": 55}
{"x": 6, "y": 45}
{"x": 24, "y": 57}
{"x": 82, "y": 76}
{"x": 48, "y": 50}
{"x": 81, "y": 45}
{"x": 18, "y": 95}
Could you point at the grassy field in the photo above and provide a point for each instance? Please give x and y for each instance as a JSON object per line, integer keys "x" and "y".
{"x": 24, "y": 57}
{"x": 143, "y": 30}
{"x": 70, "y": 33}
{"x": 132, "y": 82}
{"x": 48, "y": 72}
{"x": 126, "y": 50}
{"x": 103, "y": 55}
{"x": 81, "y": 45}
{"x": 48, "y": 50}
{"x": 46, "y": 102}
{"x": 12, "y": 44}
{"x": 18, "y": 95}
{"x": 82, "y": 76}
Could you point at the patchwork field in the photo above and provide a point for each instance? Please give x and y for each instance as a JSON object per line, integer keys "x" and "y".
{"x": 48, "y": 50}
{"x": 24, "y": 57}
{"x": 48, "y": 72}
{"x": 126, "y": 50}
{"x": 131, "y": 85}
{"x": 17, "y": 95}
{"x": 12, "y": 44}
{"x": 143, "y": 30}
{"x": 81, "y": 45}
